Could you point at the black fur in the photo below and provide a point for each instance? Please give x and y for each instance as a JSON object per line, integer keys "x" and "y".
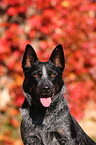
{"x": 45, "y": 122}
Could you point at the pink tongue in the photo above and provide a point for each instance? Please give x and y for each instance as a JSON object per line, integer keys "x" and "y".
{"x": 45, "y": 101}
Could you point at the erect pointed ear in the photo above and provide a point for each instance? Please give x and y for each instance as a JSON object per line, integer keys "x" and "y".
{"x": 29, "y": 57}
{"x": 57, "y": 57}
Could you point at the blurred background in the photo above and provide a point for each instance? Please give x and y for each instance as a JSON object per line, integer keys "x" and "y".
{"x": 44, "y": 24}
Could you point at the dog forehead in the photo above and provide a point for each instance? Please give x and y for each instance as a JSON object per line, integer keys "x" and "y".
{"x": 44, "y": 71}
{"x": 44, "y": 66}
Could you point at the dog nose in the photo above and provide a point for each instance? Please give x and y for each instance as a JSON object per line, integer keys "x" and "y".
{"x": 46, "y": 89}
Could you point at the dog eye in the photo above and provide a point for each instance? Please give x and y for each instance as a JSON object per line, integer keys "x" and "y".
{"x": 51, "y": 74}
{"x": 37, "y": 74}
{"x": 40, "y": 73}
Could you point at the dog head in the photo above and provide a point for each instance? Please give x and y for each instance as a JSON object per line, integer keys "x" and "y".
{"x": 43, "y": 80}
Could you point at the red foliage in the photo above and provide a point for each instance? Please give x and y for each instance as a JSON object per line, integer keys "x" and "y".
{"x": 45, "y": 24}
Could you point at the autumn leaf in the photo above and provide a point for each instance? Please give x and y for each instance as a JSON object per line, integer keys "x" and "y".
{"x": 44, "y": 24}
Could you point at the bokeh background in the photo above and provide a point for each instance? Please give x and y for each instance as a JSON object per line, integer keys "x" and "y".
{"x": 44, "y": 24}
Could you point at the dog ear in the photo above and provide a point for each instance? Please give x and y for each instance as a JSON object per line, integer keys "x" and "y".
{"x": 57, "y": 57}
{"x": 29, "y": 57}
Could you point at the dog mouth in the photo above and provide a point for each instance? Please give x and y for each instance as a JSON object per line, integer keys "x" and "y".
{"x": 45, "y": 94}
{"x": 46, "y": 101}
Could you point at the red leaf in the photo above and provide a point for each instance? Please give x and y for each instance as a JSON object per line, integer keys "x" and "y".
{"x": 35, "y": 21}
{"x": 32, "y": 34}
{"x": 19, "y": 101}
{"x": 21, "y": 9}
{"x": 14, "y": 122}
{"x": 43, "y": 45}
{"x": 11, "y": 11}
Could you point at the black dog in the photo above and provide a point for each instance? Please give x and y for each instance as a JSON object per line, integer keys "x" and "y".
{"x": 46, "y": 119}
